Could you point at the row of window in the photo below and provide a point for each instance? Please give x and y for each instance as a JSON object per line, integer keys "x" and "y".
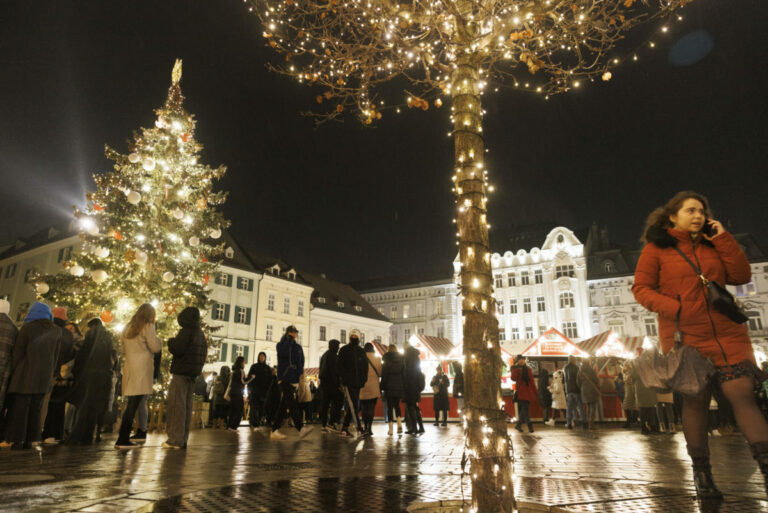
{"x": 510, "y": 280}
{"x": 221, "y": 311}
{"x": 439, "y": 309}
{"x": 322, "y": 335}
{"x": 569, "y": 329}
{"x": 566, "y": 301}
{"x": 286, "y": 305}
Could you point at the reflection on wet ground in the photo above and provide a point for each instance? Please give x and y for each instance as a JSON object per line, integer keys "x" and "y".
{"x": 608, "y": 470}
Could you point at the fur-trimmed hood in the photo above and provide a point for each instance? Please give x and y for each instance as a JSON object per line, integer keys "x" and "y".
{"x": 668, "y": 237}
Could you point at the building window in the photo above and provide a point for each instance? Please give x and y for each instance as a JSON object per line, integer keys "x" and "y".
{"x": 28, "y": 274}
{"x": 220, "y": 312}
{"x": 301, "y": 338}
{"x": 340, "y": 304}
{"x": 515, "y": 334}
{"x": 440, "y": 331}
{"x": 502, "y": 334}
{"x": 527, "y": 305}
{"x": 269, "y": 333}
{"x": 650, "y": 327}
{"x": 322, "y": 334}
{"x": 538, "y": 277}
{"x": 65, "y": 254}
{"x": 510, "y": 279}
{"x": 242, "y": 315}
{"x": 439, "y": 307}
{"x": 608, "y": 266}
{"x": 755, "y": 322}
{"x": 617, "y": 326}
{"x": 224, "y": 279}
{"x": 406, "y": 311}
{"x": 394, "y": 337}
{"x": 321, "y": 300}
{"x": 612, "y": 297}
{"x": 286, "y": 305}
{"x": 244, "y": 283}
{"x": 23, "y": 309}
{"x": 420, "y": 310}
{"x": 524, "y": 278}
{"x": 566, "y": 300}
{"x": 529, "y": 332}
{"x": 569, "y": 330}
{"x": 343, "y": 336}
{"x": 499, "y": 282}
{"x": 393, "y": 313}
{"x": 542, "y": 329}
{"x": 746, "y": 290}
{"x": 513, "y": 306}
{"x": 10, "y": 271}
{"x": 421, "y": 331}
{"x": 407, "y": 333}
{"x": 564, "y": 270}
{"x": 271, "y": 303}
{"x": 500, "y": 308}
{"x": 540, "y": 305}
{"x": 223, "y": 353}
{"x": 300, "y": 309}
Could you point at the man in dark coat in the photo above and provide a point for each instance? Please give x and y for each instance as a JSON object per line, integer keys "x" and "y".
{"x": 392, "y": 384}
{"x": 290, "y": 367}
{"x": 92, "y": 387}
{"x": 8, "y": 334}
{"x": 545, "y": 396}
{"x": 259, "y": 379}
{"x": 34, "y": 361}
{"x": 53, "y": 412}
{"x": 573, "y": 394}
{"x": 414, "y": 384}
{"x": 353, "y": 373}
{"x": 189, "y": 349}
{"x": 329, "y": 386}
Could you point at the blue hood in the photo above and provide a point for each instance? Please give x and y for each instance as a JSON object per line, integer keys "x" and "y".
{"x": 39, "y": 311}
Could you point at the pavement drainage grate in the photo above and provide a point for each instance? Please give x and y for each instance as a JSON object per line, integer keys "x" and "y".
{"x": 393, "y": 494}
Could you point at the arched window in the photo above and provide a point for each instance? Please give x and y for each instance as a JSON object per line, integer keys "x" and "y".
{"x": 566, "y": 300}
{"x": 609, "y": 266}
{"x": 560, "y": 239}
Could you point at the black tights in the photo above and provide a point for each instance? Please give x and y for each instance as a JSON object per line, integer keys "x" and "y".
{"x": 740, "y": 393}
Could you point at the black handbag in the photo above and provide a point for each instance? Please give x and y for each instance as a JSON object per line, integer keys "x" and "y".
{"x": 718, "y": 296}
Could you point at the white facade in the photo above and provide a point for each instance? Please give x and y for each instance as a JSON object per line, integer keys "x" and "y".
{"x": 327, "y": 324}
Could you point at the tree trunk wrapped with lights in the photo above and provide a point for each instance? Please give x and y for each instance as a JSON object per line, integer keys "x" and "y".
{"x": 346, "y": 50}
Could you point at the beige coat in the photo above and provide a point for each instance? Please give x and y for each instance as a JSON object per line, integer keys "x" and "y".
{"x": 371, "y": 389}
{"x": 139, "y": 361}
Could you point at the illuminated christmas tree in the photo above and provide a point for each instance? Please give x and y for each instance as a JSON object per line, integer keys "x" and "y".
{"x": 356, "y": 54}
{"x": 149, "y": 231}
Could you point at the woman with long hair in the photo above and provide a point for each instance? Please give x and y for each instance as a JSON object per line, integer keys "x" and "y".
{"x": 139, "y": 345}
{"x": 679, "y": 236}
{"x": 236, "y": 388}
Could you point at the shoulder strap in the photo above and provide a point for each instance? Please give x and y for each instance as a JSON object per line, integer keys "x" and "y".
{"x": 372, "y": 366}
{"x": 695, "y": 267}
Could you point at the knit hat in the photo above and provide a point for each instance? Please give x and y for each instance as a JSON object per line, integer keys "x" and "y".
{"x": 355, "y": 333}
{"x": 60, "y": 313}
{"x": 39, "y": 311}
{"x": 5, "y": 307}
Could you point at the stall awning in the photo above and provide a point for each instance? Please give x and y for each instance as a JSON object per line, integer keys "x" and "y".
{"x": 379, "y": 347}
{"x": 437, "y": 347}
{"x": 593, "y": 345}
{"x": 632, "y": 344}
{"x": 312, "y": 371}
{"x": 553, "y": 343}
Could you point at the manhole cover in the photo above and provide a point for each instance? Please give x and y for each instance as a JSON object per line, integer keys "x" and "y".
{"x": 24, "y": 478}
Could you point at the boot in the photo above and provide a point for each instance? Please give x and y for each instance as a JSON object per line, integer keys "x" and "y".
{"x": 530, "y": 427}
{"x": 702, "y": 475}
{"x": 420, "y": 422}
{"x": 399, "y": 426}
{"x": 760, "y": 453}
{"x": 389, "y": 431}
{"x": 519, "y": 427}
{"x": 628, "y": 416}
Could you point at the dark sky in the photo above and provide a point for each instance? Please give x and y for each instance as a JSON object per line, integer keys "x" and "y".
{"x": 364, "y": 203}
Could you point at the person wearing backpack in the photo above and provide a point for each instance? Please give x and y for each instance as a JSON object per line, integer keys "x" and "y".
{"x": 353, "y": 373}
{"x": 371, "y": 391}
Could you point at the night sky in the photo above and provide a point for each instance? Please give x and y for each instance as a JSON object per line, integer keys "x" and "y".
{"x": 362, "y": 203}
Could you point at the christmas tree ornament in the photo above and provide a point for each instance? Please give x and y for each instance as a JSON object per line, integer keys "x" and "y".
{"x": 141, "y": 257}
{"x": 101, "y": 252}
{"x": 106, "y": 316}
{"x": 201, "y": 204}
{"x": 134, "y": 158}
{"x": 118, "y": 235}
{"x": 607, "y": 76}
{"x": 169, "y": 308}
{"x": 194, "y": 241}
{"x": 168, "y": 276}
{"x": 177, "y": 213}
{"x": 148, "y": 164}
{"x": 97, "y": 207}
{"x": 185, "y": 137}
{"x": 99, "y": 276}
{"x": 215, "y": 233}
{"x": 42, "y": 288}
{"x": 76, "y": 270}
{"x": 133, "y": 198}
{"x": 206, "y": 279}
{"x": 130, "y": 256}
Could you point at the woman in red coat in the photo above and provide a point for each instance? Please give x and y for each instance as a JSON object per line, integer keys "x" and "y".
{"x": 667, "y": 284}
{"x": 525, "y": 386}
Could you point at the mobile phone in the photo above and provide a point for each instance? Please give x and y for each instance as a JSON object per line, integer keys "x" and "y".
{"x": 707, "y": 229}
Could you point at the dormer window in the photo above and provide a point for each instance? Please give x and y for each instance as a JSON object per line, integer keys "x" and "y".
{"x": 229, "y": 253}
{"x": 321, "y": 300}
{"x": 275, "y": 270}
{"x": 340, "y": 304}
{"x": 292, "y": 276}
{"x": 608, "y": 266}
{"x": 358, "y": 308}
{"x": 560, "y": 239}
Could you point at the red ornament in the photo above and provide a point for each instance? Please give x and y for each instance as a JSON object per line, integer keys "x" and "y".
{"x": 106, "y": 316}
{"x": 206, "y": 279}
{"x": 97, "y": 207}
{"x": 185, "y": 137}
{"x": 118, "y": 235}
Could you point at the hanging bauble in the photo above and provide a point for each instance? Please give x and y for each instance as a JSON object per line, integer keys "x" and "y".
{"x": 607, "y": 76}
{"x": 206, "y": 279}
{"x": 42, "y": 288}
{"x": 185, "y": 137}
{"x": 106, "y": 316}
{"x": 201, "y": 204}
{"x": 194, "y": 241}
{"x": 99, "y": 276}
{"x": 98, "y": 208}
{"x": 118, "y": 235}
{"x": 134, "y": 198}
{"x": 148, "y": 164}
{"x": 101, "y": 252}
{"x": 133, "y": 158}
{"x": 177, "y": 213}
{"x": 141, "y": 258}
{"x": 76, "y": 270}
{"x": 215, "y": 233}
{"x": 168, "y": 276}
{"x": 130, "y": 256}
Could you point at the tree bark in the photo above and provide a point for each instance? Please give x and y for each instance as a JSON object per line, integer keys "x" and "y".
{"x": 488, "y": 444}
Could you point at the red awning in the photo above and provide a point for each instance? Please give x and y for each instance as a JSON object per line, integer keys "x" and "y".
{"x": 553, "y": 343}
{"x": 312, "y": 371}
{"x": 379, "y": 347}
{"x": 436, "y": 346}
{"x": 592, "y": 345}
{"x": 632, "y": 344}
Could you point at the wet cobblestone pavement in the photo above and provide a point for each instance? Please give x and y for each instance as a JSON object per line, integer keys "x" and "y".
{"x": 556, "y": 470}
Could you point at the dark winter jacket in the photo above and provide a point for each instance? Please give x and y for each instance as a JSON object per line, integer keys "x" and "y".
{"x": 589, "y": 383}
{"x": 329, "y": 370}
{"x": 570, "y": 375}
{"x": 526, "y": 389}
{"x": 8, "y": 335}
{"x": 34, "y": 357}
{"x": 414, "y": 378}
{"x": 290, "y": 360}
{"x": 67, "y": 348}
{"x": 440, "y": 400}
{"x": 545, "y": 396}
{"x": 667, "y": 285}
{"x": 93, "y": 371}
{"x": 189, "y": 347}
{"x": 392, "y": 370}
{"x": 260, "y": 375}
{"x": 353, "y": 365}
{"x": 458, "y": 380}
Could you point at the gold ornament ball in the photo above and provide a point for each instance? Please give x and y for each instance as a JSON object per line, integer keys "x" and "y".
{"x": 133, "y": 158}
{"x": 101, "y": 252}
{"x": 215, "y": 233}
{"x": 42, "y": 287}
{"x": 134, "y": 198}
{"x": 100, "y": 276}
{"x": 194, "y": 241}
{"x": 168, "y": 276}
{"x": 141, "y": 257}
{"x": 76, "y": 271}
{"x": 607, "y": 76}
{"x": 148, "y": 164}
{"x": 177, "y": 213}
